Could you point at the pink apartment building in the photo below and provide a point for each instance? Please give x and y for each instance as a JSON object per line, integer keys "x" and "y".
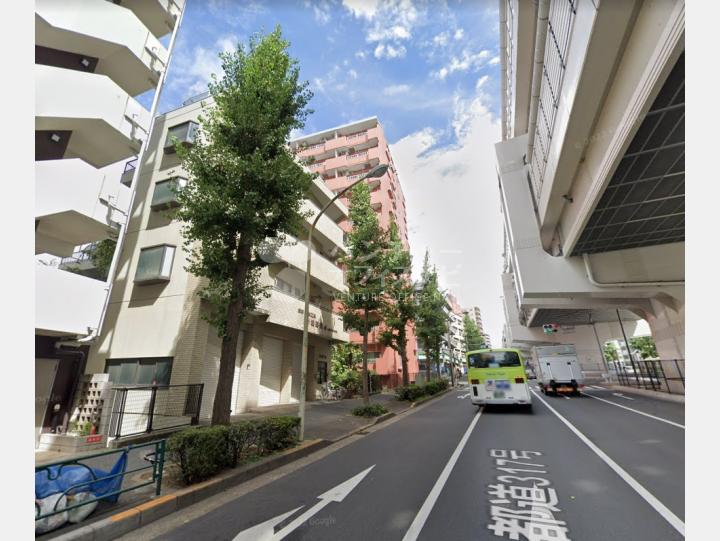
{"x": 340, "y": 155}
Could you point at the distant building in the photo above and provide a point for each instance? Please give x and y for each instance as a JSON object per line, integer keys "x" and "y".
{"x": 341, "y": 155}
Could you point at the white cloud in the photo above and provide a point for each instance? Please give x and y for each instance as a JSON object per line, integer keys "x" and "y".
{"x": 321, "y": 11}
{"x": 389, "y": 51}
{"x": 494, "y": 60}
{"x": 466, "y": 61}
{"x": 481, "y": 81}
{"x": 360, "y": 54}
{"x": 353, "y": 74}
{"x": 192, "y": 69}
{"x": 394, "y": 90}
{"x": 441, "y": 39}
{"x": 466, "y": 248}
{"x": 362, "y": 8}
{"x": 459, "y": 33}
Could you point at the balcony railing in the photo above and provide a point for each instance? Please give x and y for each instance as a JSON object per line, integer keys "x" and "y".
{"x": 128, "y": 173}
{"x": 357, "y": 156}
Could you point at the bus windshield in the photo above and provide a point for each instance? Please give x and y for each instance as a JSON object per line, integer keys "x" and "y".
{"x": 493, "y": 359}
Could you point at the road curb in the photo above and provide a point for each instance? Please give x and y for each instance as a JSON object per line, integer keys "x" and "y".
{"x": 158, "y": 507}
{"x": 676, "y": 398}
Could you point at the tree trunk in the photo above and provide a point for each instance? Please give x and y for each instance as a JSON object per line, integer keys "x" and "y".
{"x": 402, "y": 339}
{"x": 427, "y": 363}
{"x": 228, "y": 350}
{"x": 365, "y": 390}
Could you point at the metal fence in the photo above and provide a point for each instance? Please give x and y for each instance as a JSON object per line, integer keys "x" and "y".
{"x": 155, "y": 459}
{"x": 139, "y": 410}
{"x": 656, "y": 375}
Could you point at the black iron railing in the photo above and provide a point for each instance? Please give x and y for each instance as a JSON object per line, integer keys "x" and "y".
{"x": 655, "y": 375}
{"x": 139, "y": 410}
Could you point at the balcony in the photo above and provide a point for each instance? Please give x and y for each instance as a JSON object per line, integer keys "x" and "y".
{"x": 107, "y": 125}
{"x": 128, "y": 173}
{"x": 158, "y": 15}
{"x": 323, "y": 270}
{"x": 72, "y": 206}
{"x": 328, "y": 231}
{"x": 288, "y": 311}
{"x": 126, "y": 51}
{"x": 66, "y": 303}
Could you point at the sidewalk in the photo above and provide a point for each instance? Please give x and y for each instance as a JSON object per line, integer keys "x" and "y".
{"x": 331, "y": 420}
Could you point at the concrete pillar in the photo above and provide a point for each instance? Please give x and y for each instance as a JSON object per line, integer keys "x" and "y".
{"x": 250, "y": 368}
{"x": 286, "y": 372}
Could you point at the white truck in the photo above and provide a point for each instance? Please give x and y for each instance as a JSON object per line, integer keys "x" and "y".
{"x": 559, "y": 370}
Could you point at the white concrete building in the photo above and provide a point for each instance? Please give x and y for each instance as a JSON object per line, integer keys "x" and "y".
{"x": 92, "y": 59}
{"x": 154, "y": 332}
{"x": 476, "y": 315}
{"x": 591, "y": 171}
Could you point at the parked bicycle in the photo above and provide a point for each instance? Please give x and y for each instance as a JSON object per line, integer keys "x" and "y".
{"x": 330, "y": 392}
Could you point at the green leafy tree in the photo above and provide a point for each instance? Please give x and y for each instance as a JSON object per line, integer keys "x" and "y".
{"x": 398, "y": 307}
{"x": 364, "y": 272}
{"x": 431, "y": 318}
{"x": 343, "y": 367}
{"x": 610, "y": 352}
{"x": 645, "y": 345}
{"x": 244, "y": 186}
{"x": 473, "y": 338}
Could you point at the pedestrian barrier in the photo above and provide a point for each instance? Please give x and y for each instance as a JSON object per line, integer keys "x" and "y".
{"x": 653, "y": 374}
{"x": 67, "y": 480}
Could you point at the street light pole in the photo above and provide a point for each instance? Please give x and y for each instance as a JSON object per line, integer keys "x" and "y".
{"x": 377, "y": 171}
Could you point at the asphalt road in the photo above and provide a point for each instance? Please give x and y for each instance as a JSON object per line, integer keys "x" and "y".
{"x": 450, "y": 471}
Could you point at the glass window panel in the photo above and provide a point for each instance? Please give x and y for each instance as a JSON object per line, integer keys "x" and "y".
{"x": 167, "y": 261}
{"x": 162, "y": 372}
{"x": 113, "y": 369}
{"x": 127, "y": 373}
{"x": 145, "y": 373}
{"x": 149, "y": 263}
{"x": 165, "y": 193}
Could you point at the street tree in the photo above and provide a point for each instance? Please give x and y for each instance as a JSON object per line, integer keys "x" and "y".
{"x": 344, "y": 360}
{"x": 610, "y": 352}
{"x": 431, "y": 318}
{"x": 244, "y": 186}
{"x": 645, "y": 346}
{"x": 364, "y": 273}
{"x": 398, "y": 305}
{"x": 473, "y": 338}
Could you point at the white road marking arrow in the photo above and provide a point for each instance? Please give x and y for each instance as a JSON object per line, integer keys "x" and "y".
{"x": 623, "y": 396}
{"x": 466, "y": 395}
{"x": 266, "y": 530}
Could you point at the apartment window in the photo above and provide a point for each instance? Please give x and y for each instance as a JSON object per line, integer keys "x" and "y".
{"x": 184, "y": 133}
{"x": 143, "y": 371}
{"x": 155, "y": 264}
{"x": 165, "y": 194}
{"x": 322, "y": 372}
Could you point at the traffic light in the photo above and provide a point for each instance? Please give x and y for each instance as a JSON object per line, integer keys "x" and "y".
{"x": 551, "y": 328}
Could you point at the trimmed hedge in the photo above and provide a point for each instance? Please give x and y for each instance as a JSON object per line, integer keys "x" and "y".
{"x": 413, "y": 392}
{"x": 371, "y": 410}
{"x": 202, "y": 452}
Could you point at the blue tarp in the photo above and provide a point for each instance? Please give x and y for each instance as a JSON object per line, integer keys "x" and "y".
{"x": 58, "y": 479}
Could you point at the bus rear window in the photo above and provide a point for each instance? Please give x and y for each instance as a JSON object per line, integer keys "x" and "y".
{"x": 493, "y": 359}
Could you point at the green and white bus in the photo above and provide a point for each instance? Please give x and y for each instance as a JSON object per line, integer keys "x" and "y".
{"x": 497, "y": 376}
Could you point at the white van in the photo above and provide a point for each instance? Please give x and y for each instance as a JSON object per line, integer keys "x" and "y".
{"x": 559, "y": 369}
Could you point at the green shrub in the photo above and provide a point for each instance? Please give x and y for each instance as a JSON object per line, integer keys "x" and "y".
{"x": 202, "y": 452}
{"x": 375, "y": 382}
{"x": 410, "y": 392}
{"x": 371, "y": 410}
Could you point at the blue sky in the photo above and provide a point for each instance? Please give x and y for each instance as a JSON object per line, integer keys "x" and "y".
{"x": 428, "y": 69}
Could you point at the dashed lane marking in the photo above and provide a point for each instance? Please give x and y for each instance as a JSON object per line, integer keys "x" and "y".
{"x": 427, "y": 506}
{"x": 636, "y": 411}
{"x": 656, "y": 504}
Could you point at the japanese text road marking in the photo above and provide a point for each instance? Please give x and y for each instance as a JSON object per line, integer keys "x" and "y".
{"x": 427, "y": 506}
{"x": 266, "y": 530}
{"x": 636, "y": 411}
{"x": 656, "y": 504}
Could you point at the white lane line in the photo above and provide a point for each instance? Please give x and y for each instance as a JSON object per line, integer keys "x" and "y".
{"x": 598, "y": 388}
{"x": 427, "y": 506}
{"x": 636, "y": 411}
{"x": 623, "y": 396}
{"x": 656, "y": 504}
